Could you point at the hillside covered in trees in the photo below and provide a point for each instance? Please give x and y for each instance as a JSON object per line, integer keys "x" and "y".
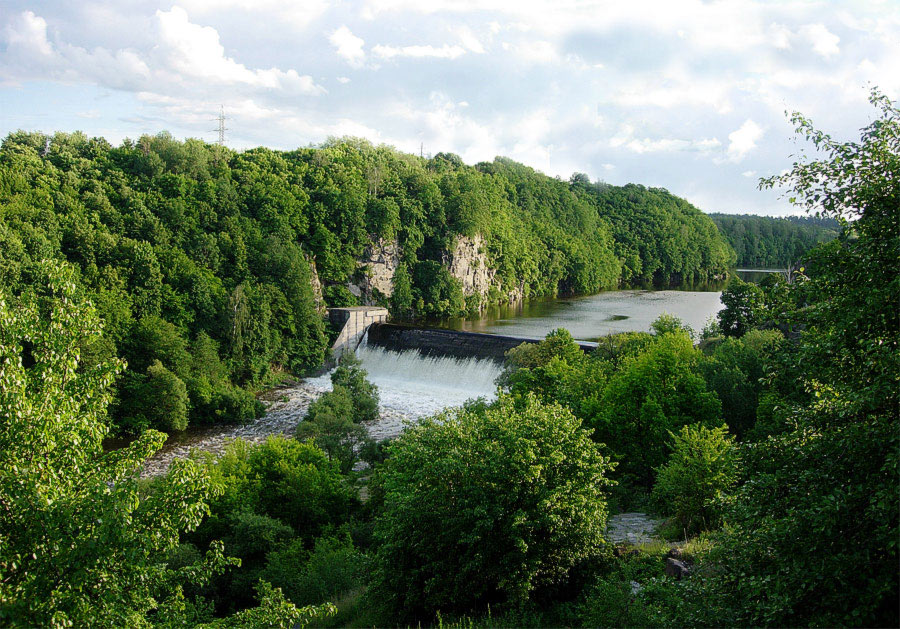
{"x": 770, "y": 447}
{"x": 774, "y": 243}
{"x": 204, "y": 263}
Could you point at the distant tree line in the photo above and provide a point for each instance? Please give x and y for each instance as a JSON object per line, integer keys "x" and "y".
{"x": 199, "y": 259}
{"x": 774, "y": 243}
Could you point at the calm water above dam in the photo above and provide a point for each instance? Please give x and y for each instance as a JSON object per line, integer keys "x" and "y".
{"x": 592, "y": 316}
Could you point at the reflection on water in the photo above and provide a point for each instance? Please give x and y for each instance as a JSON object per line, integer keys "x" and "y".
{"x": 755, "y": 275}
{"x": 591, "y": 316}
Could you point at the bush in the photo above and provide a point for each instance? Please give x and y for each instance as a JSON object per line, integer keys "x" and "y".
{"x": 652, "y": 394}
{"x": 281, "y": 478}
{"x": 484, "y": 504}
{"x": 701, "y": 469}
{"x": 329, "y": 422}
{"x": 362, "y": 393}
{"x": 333, "y": 568}
{"x": 744, "y": 304}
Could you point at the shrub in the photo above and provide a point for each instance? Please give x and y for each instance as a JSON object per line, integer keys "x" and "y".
{"x": 329, "y": 423}
{"x": 484, "y": 504}
{"x": 700, "y": 470}
{"x": 362, "y": 393}
{"x": 653, "y": 393}
{"x": 333, "y": 568}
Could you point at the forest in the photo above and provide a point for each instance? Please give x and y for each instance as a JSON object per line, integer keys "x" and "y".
{"x": 202, "y": 262}
{"x": 768, "y": 442}
{"x": 765, "y": 242}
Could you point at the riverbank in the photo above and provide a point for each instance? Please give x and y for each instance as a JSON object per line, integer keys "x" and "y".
{"x": 285, "y": 408}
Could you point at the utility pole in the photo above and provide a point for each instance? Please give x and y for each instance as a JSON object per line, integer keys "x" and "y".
{"x": 222, "y": 128}
{"x": 421, "y": 149}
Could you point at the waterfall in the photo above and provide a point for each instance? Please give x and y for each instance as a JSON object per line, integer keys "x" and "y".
{"x": 418, "y": 385}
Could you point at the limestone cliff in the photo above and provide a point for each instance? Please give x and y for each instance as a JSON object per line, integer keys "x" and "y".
{"x": 468, "y": 263}
{"x": 316, "y": 286}
{"x": 376, "y": 271}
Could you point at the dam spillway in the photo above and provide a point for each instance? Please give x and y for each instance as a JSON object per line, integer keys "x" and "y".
{"x": 436, "y": 342}
{"x": 421, "y": 371}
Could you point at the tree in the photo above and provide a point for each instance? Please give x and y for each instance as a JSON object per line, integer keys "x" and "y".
{"x": 653, "y": 394}
{"x": 80, "y": 544}
{"x": 330, "y": 423}
{"x": 701, "y": 470}
{"x": 363, "y": 395}
{"x": 743, "y": 303}
{"x": 814, "y": 532}
{"x": 485, "y": 504}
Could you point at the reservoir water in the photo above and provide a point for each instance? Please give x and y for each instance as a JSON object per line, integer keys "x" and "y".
{"x": 589, "y": 317}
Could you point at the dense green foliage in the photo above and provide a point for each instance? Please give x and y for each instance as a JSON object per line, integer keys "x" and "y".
{"x": 202, "y": 259}
{"x": 483, "y": 505}
{"x": 80, "y": 543}
{"x": 636, "y": 389}
{"x": 822, "y": 497}
{"x": 702, "y": 468}
{"x": 774, "y": 243}
{"x": 334, "y": 419}
{"x": 278, "y": 499}
{"x": 743, "y": 304}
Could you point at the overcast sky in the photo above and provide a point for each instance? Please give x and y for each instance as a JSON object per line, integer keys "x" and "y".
{"x": 686, "y": 95}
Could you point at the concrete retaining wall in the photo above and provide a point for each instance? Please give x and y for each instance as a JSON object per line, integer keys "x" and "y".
{"x": 355, "y": 321}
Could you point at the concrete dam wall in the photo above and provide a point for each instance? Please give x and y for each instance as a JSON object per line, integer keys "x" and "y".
{"x": 435, "y": 342}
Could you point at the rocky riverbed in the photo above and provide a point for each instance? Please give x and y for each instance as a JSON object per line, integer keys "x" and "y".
{"x": 285, "y": 408}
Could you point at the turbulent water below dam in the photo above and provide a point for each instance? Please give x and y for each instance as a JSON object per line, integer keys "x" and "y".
{"x": 412, "y": 386}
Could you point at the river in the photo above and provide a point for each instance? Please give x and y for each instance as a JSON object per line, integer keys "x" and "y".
{"x": 412, "y": 386}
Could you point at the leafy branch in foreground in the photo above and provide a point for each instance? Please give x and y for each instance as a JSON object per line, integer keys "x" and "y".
{"x": 81, "y": 542}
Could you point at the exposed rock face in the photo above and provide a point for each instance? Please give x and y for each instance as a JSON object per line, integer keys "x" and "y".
{"x": 316, "y": 287}
{"x": 468, "y": 263}
{"x": 377, "y": 266}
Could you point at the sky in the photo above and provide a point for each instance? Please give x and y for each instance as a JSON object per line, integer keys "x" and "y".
{"x": 687, "y": 95}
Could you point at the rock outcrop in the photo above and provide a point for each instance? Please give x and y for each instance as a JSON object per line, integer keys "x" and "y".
{"x": 316, "y": 286}
{"x": 376, "y": 271}
{"x": 468, "y": 263}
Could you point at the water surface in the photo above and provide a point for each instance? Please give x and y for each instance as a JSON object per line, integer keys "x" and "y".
{"x": 591, "y": 316}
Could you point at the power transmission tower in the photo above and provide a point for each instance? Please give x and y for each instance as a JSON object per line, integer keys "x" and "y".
{"x": 222, "y": 128}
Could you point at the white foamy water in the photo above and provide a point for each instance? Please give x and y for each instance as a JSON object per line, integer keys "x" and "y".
{"x": 417, "y": 385}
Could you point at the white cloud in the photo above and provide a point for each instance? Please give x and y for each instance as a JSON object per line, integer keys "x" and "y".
{"x": 626, "y": 139}
{"x": 469, "y": 41}
{"x": 780, "y": 36}
{"x": 29, "y": 33}
{"x": 823, "y": 41}
{"x": 186, "y": 56}
{"x": 343, "y": 79}
{"x": 444, "y": 52}
{"x": 743, "y": 140}
{"x": 297, "y": 14}
{"x": 348, "y": 46}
